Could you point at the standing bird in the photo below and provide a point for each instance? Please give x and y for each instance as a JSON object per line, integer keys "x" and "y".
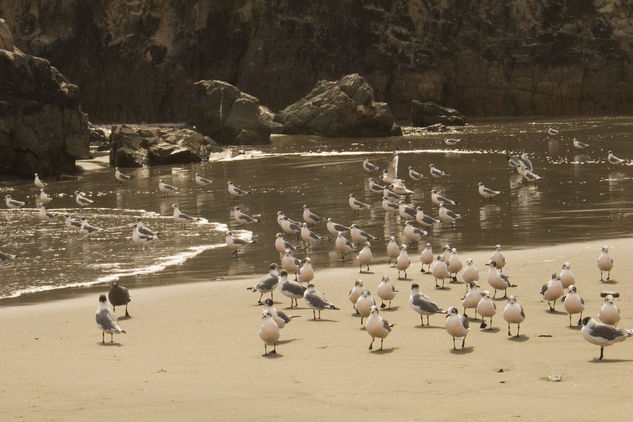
{"x": 426, "y": 258}
{"x": 306, "y": 272}
{"x": 317, "y": 301}
{"x": 435, "y": 172}
{"x": 374, "y": 186}
{"x": 448, "y": 216}
{"x": 498, "y": 258}
{"x": 425, "y": 220}
{"x": 471, "y": 273}
{"x": 268, "y": 283}
{"x": 612, "y": 159}
{"x": 455, "y": 264}
{"x": 364, "y": 304}
{"x": 412, "y": 233}
{"x": 605, "y": 263}
{"x": 609, "y": 313}
{"x": 389, "y": 207}
{"x": 343, "y": 245}
{"x": 578, "y": 144}
{"x": 391, "y": 195}
{"x": 310, "y": 217}
{"x": 360, "y": 236}
{"x": 290, "y": 289}
{"x": 234, "y": 191}
{"x": 403, "y": 262}
{"x": 552, "y": 291}
{"x": 81, "y": 200}
{"x": 107, "y": 321}
{"x": 369, "y": 167}
{"x": 121, "y": 177}
{"x": 6, "y": 257}
{"x": 201, "y": 181}
{"x": 72, "y": 224}
{"x": 566, "y": 276}
{"x": 142, "y": 229}
{"x": 181, "y": 217}
{"x": 243, "y": 218}
{"x": 365, "y": 257}
{"x": 513, "y": 314}
{"x": 456, "y": 326}
{"x": 438, "y": 199}
{"x": 141, "y": 239}
{"x": 355, "y": 293}
{"x": 44, "y": 215}
{"x": 497, "y": 280}
{"x": 357, "y": 205}
{"x": 335, "y": 228}
{"x": 574, "y": 304}
{"x": 440, "y": 270}
{"x": 602, "y": 335}
{"x": 415, "y": 175}
{"x": 308, "y": 236}
{"x": 486, "y": 192}
{"x": 290, "y": 226}
{"x": 290, "y": 263}
{"x": 451, "y": 142}
{"x": 282, "y": 244}
{"x": 269, "y": 331}
{"x": 377, "y": 326}
{"x": 406, "y": 211}
{"x": 280, "y": 317}
{"x": 386, "y": 291}
{"x": 166, "y": 187}
{"x": 43, "y": 198}
{"x": 235, "y": 243}
{"x": 12, "y": 203}
{"x": 39, "y": 183}
{"x": 486, "y": 308}
{"x": 119, "y": 296}
{"x": 88, "y": 229}
{"x": 471, "y": 300}
{"x": 393, "y": 250}
{"x": 423, "y": 304}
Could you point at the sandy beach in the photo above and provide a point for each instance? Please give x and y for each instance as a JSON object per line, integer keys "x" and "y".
{"x": 192, "y": 353}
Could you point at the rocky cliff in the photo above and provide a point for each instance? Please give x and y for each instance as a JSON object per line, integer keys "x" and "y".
{"x": 137, "y": 60}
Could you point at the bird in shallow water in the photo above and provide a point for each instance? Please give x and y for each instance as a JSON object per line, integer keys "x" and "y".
{"x": 201, "y": 181}
{"x": 81, "y": 199}
{"x": 107, "y": 321}
{"x": 12, "y": 203}
{"x": 121, "y": 177}
{"x": 119, "y": 296}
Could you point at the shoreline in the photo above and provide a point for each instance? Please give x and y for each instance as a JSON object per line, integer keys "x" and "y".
{"x": 192, "y": 351}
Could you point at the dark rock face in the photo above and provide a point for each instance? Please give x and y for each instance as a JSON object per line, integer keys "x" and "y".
{"x": 429, "y": 113}
{"x": 42, "y": 128}
{"x": 221, "y": 111}
{"x": 343, "y": 108}
{"x": 149, "y": 146}
{"x": 137, "y": 60}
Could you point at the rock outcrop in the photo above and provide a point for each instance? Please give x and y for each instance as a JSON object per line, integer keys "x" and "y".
{"x": 136, "y": 146}
{"x": 42, "y": 128}
{"x": 344, "y": 108}
{"x": 137, "y": 60}
{"x": 229, "y": 116}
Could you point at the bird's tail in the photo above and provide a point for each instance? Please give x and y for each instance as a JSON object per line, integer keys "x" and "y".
{"x": 629, "y": 332}
{"x": 250, "y": 288}
{"x": 122, "y": 331}
{"x": 334, "y": 307}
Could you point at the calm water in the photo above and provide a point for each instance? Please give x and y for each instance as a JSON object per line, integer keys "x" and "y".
{"x": 579, "y": 198}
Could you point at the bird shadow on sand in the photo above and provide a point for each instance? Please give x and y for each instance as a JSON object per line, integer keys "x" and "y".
{"x": 404, "y": 279}
{"x": 124, "y": 318}
{"x": 490, "y": 330}
{"x": 382, "y": 351}
{"x": 549, "y": 311}
{"x": 322, "y": 320}
{"x": 270, "y": 355}
{"x": 610, "y": 281}
{"x": 366, "y": 272}
{"x": 108, "y": 344}
{"x": 393, "y": 308}
{"x": 463, "y": 351}
{"x": 424, "y": 327}
{"x": 596, "y": 360}
{"x": 442, "y": 288}
{"x": 290, "y": 340}
{"x": 519, "y": 339}
{"x": 574, "y": 327}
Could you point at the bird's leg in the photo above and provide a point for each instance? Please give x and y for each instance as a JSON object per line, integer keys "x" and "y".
{"x": 367, "y": 267}
{"x": 608, "y": 274}
{"x": 421, "y": 320}
{"x": 382, "y": 305}
{"x": 265, "y": 349}
{"x": 463, "y": 342}
{"x": 428, "y": 324}
{"x": 111, "y": 337}
{"x": 319, "y": 314}
{"x": 494, "y": 295}
{"x": 570, "y": 320}
{"x": 389, "y": 305}
{"x": 274, "y": 348}
{"x": 381, "y": 340}
{"x": 518, "y": 329}
{"x": 260, "y": 298}
{"x": 113, "y": 308}
{"x": 454, "y": 348}
{"x": 554, "y": 306}
{"x": 360, "y": 268}
{"x": 580, "y": 320}
{"x": 103, "y": 337}
{"x": 405, "y": 274}
{"x": 126, "y": 312}
{"x": 601, "y": 352}
{"x": 601, "y": 279}
{"x": 361, "y": 320}
{"x": 490, "y": 323}
{"x": 509, "y": 332}
{"x": 313, "y": 315}
{"x": 271, "y": 295}
{"x": 371, "y": 345}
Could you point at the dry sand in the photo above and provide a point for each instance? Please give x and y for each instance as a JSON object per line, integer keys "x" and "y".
{"x": 192, "y": 353}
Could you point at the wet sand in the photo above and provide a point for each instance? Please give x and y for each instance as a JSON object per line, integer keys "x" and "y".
{"x": 192, "y": 353}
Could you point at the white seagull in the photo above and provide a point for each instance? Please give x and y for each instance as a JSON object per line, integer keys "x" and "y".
{"x": 471, "y": 300}
{"x": 360, "y": 236}
{"x": 574, "y": 304}
{"x": 602, "y": 335}
{"x": 471, "y": 273}
{"x": 364, "y": 304}
{"x": 310, "y": 217}
{"x": 282, "y": 244}
{"x": 81, "y": 200}
{"x": 355, "y": 293}
{"x": 364, "y": 257}
{"x": 425, "y": 220}
{"x": 406, "y": 211}
{"x": 486, "y": 308}
{"x": 269, "y": 331}
{"x": 413, "y": 234}
{"x": 609, "y": 313}
{"x": 426, "y": 258}
{"x": 605, "y": 263}
{"x": 39, "y": 183}
{"x": 268, "y": 283}
{"x": 438, "y": 199}
{"x": 141, "y": 239}
{"x": 87, "y": 228}
{"x": 121, "y": 177}
{"x": 552, "y": 291}
{"x": 448, "y": 216}
{"x": 72, "y": 224}
{"x": 243, "y": 218}
{"x": 290, "y": 289}
{"x": 403, "y": 262}
{"x": 181, "y": 217}
{"x": 166, "y": 188}
{"x": 201, "y": 181}
{"x": 435, "y": 172}
{"x": 566, "y": 276}
{"x": 317, "y": 301}
{"x": 308, "y": 236}
{"x": 44, "y": 215}
{"x": 578, "y": 144}
{"x": 335, "y": 228}
{"x": 369, "y": 167}
{"x": 440, "y": 270}
{"x": 280, "y": 317}
{"x": 357, "y": 205}
{"x": 44, "y": 198}
{"x": 423, "y": 304}
{"x": 393, "y": 250}
{"x": 486, "y": 192}
{"x": 455, "y": 264}
{"x": 306, "y": 272}
{"x": 375, "y": 187}
{"x": 457, "y": 326}
{"x": 106, "y": 320}
{"x": 343, "y": 245}
{"x": 234, "y": 191}
{"x": 498, "y": 258}
{"x": 612, "y": 159}
{"x": 290, "y": 264}
{"x": 497, "y": 280}
{"x": 386, "y": 291}
{"x": 235, "y": 243}
{"x": 513, "y": 314}
{"x": 12, "y": 203}
{"x": 377, "y": 326}
{"x": 415, "y": 175}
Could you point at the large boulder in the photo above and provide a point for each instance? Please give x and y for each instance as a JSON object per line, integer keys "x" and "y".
{"x": 221, "y": 111}
{"x": 42, "y": 128}
{"x": 344, "y": 108}
{"x": 429, "y": 113}
{"x": 137, "y": 146}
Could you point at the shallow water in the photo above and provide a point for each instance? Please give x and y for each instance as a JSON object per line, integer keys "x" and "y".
{"x": 579, "y": 198}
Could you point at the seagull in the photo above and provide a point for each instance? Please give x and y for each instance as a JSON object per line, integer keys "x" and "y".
{"x": 234, "y": 191}
{"x": 471, "y": 300}
{"x": 317, "y": 301}
{"x": 360, "y": 236}
{"x": 386, "y": 178}
{"x": 119, "y": 296}
{"x": 269, "y": 331}
{"x": 612, "y": 159}
{"x": 364, "y": 304}
{"x": 281, "y": 217}
{"x": 388, "y": 206}
{"x": 440, "y": 270}
{"x": 357, "y": 205}
{"x": 497, "y": 280}
{"x": 310, "y": 217}
{"x": 121, "y": 177}
{"x": 107, "y": 321}
{"x": 602, "y": 335}
{"x": 12, "y": 203}
{"x": 268, "y": 283}
{"x": 486, "y": 308}
{"x": 566, "y": 276}
{"x": 609, "y": 313}
{"x": 166, "y": 188}
{"x": 180, "y": 217}
{"x": 391, "y": 195}
{"x": 528, "y": 175}
{"x": 456, "y": 326}
{"x": 5, "y": 256}
{"x": 498, "y": 258}
{"x": 513, "y": 314}
{"x": 578, "y": 144}
{"x": 81, "y": 200}
{"x": 574, "y": 304}
{"x": 306, "y": 272}
{"x": 369, "y": 167}
{"x": 423, "y": 304}
{"x": 403, "y": 262}
{"x": 364, "y": 257}
{"x": 393, "y": 250}
{"x": 335, "y": 228}
{"x": 235, "y": 243}
{"x": 415, "y": 175}
{"x": 448, "y": 216}
{"x": 425, "y": 220}
{"x": 427, "y": 257}
{"x": 282, "y": 244}
{"x": 406, "y": 210}
{"x": 39, "y": 183}
{"x": 435, "y": 172}
{"x": 44, "y": 198}
{"x": 377, "y": 326}
{"x": 45, "y": 216}
{"x": 605, "y": 263}
{"x": 514, "y": 161}
{"x": 243, "y": 218}
{"x": 141, "y": 239}
{"x": 343, "y": 245}
{"x": 290, "y": 263}
{"x": 355, "y": 293}
{"x": 308, "y": 236}
{"x": 290, "y": 289}
{"x": 400, "y": 188}
{"x": 201, "y": 181}
{"x": 552, "y": 291}
{"x": 375, "y": 187}
{"x": 471, "y": 273}
{"x": 87, "y": 228}
{"x": 438, "y": 199}
{"x": 455, "y": 264}
{"x": 552, "y": 131}
{"x": 290, "y": 226}
{"x": 486, "y": 192}
{"x": 525, "y": 162}
{"x": 451, "y": 141}
{"x": 72, "y": 224}
{"x": 280, "y": 317}
{"x": 141, "y": 229}
{"x": 386, "y": 291}
{"x": 412, "y": 233}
